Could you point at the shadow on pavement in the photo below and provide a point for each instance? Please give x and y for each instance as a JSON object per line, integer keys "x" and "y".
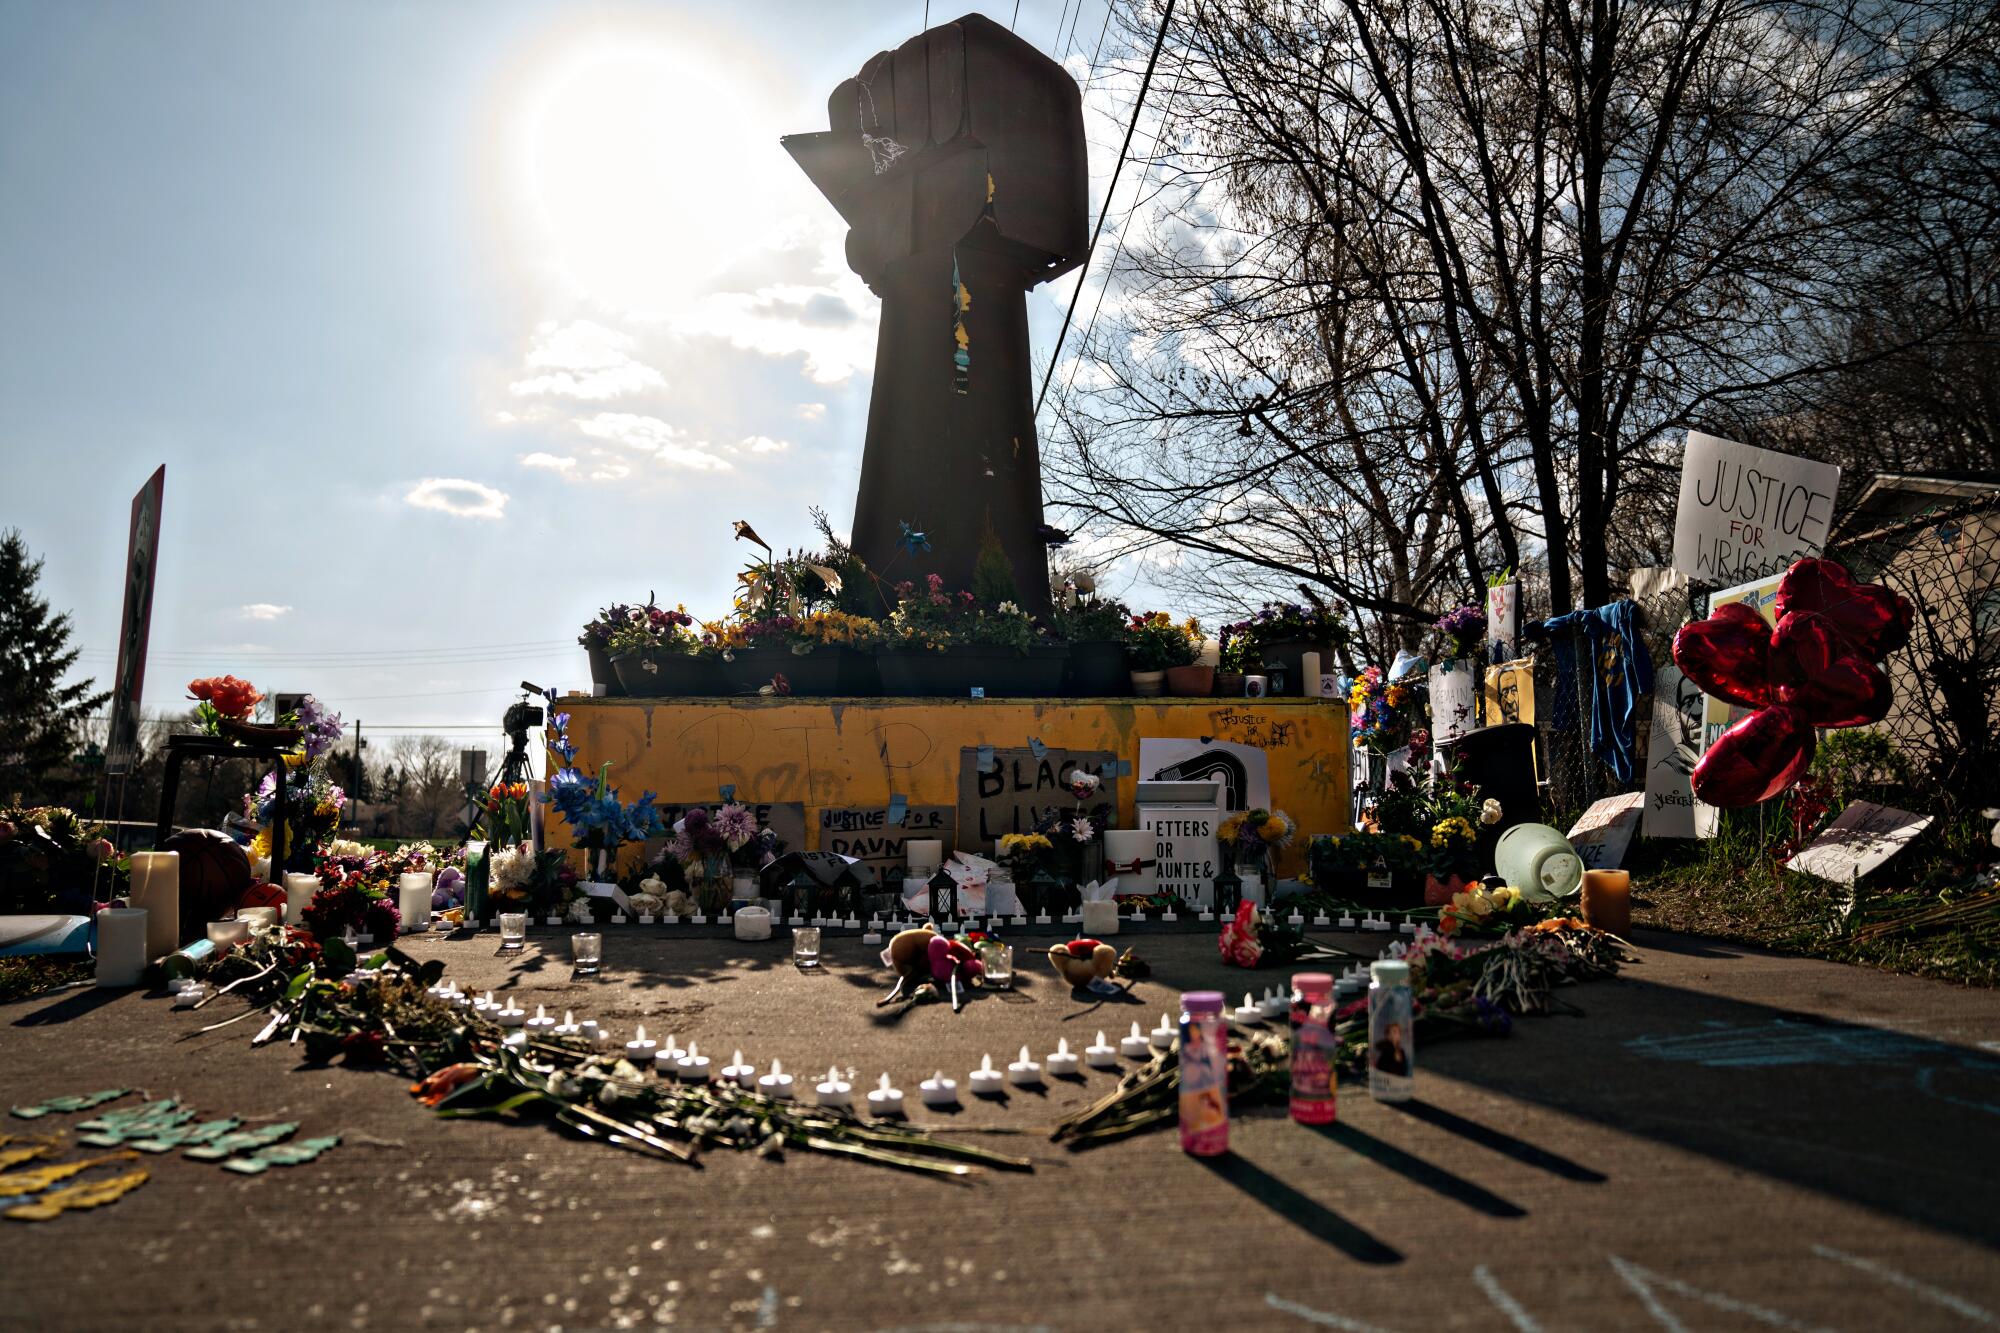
{"x": 1308, "y": 1214}
{"x": 1498, "y": 1141}
{"x": 1420, "y": 1172}
{"x": 73, "y": 1005}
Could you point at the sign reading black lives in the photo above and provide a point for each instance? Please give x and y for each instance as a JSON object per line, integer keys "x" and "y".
{"x": 1017, "y": 788}
{"x": 865, "y": 833}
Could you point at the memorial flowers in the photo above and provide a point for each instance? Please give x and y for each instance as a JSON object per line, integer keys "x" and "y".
{"x": 930, "y": 619}
{"x": 1156, "y": 641}
{"x": 1463, "y": 628}
{"x": 222, "y": 697}
{"x": 599, "y": 821}
{"x": 1254, "y": 836}
{"x": 1380, "y": 710}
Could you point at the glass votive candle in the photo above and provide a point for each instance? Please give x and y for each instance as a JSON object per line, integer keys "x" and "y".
{"x": 1607, "y": 900}
{"x": 513, "y": 931}
{"x": 999, "y": 960}
{"x": 805, "y": 946}
{"x": 586, "y": 952}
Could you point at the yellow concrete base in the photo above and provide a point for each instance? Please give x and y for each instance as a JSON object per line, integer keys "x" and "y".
{"x": 861, "y": 752}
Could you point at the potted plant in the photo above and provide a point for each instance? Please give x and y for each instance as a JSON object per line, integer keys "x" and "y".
{"x": 1195, "y": 679}
{"x": 1237, "y": 656}
{"x": 817, "y": 654}
{"x": 657, "y": 653}
{"x": 1094, "y": 629}
{"x": 946, "y": 644}
{"x": 1155, "y": 643}
{"x": 1284, "y": 632}
{"x": 596, "y": 641}
{"x": 1454, "y": 681}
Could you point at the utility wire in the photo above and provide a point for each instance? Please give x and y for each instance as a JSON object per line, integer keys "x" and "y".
{"x": 1159, "y": 40}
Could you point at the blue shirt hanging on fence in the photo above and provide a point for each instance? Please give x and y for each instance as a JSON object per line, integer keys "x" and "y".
{"x": 1623, "y": 671}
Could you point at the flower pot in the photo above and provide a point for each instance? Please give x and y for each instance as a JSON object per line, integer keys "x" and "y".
{"x": 1191, "y": 682}
{"x": 602, "y": 672}
{"x": 820, "y": 673}
{"x": 1229, "y": 684}
{"x": 258, "y": 733}
{"x": 956, "y": 671}
{"x": 1098, "y": 670}
{"x": 1148, "y": 684}
{"x": 665, "y": 675}
{"x": 1287, "y": 653}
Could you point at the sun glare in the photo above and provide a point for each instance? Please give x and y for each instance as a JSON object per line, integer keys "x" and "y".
{"x": 643, "y": 169}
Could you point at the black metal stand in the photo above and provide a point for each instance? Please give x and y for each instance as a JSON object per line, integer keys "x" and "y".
{"x": 180, "y": 749}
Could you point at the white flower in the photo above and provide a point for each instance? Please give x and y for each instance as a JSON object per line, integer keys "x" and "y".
{"x": 1082, "y": 830}
{"x": 647, "y": 904}
{"x": 512, "y": 868}
{"x": 1009, "y": 609}
{"x": 1082, "y": 784}
{"x": 1086, "y": 583}
{"x": 1489, "y": 811}
{"x": 580, "y": 913}
{"x": 653, "y": 886}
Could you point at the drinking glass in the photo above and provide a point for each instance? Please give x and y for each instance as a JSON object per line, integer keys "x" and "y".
{"x": 805, "y": 946}
{"x": 586, "y": 951}
{"x": 513, "y": 931}
{"x": 999, "y": 960}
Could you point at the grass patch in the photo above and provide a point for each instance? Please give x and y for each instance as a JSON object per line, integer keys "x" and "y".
{"x": 23, "y": 978}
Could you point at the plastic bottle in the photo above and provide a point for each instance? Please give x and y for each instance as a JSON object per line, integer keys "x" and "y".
{"x": 1204, "y": 1074}
{"x": 1392, "y": 1036}
{"x": 1312, "y": 1049}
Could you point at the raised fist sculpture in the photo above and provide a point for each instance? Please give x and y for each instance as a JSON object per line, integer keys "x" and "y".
{"x": 958, "y": 162}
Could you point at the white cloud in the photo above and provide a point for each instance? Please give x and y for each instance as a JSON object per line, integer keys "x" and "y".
{"x": 764, "y": 444}
{"x": 458, "y": 497}
{"x": 549, "y": 461}
{"x": 810, "y": 411}
{"x": 262, "y": 611}
{"x": 652, "y": 436}
{"x": 584, "y": 360}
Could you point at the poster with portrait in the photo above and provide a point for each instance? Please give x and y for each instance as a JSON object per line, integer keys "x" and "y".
{"x": 1508, "y": 694}
{"x": 1671, "y": 754}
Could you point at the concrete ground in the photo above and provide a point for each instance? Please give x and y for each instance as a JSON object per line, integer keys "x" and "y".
{"x": 1727, "y": 1140}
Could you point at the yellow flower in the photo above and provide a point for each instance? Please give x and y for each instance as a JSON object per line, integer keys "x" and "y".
{"x": 1395, "y": 696}
{"x": 1412, "y": 843}
{"x": 260, "y": 846}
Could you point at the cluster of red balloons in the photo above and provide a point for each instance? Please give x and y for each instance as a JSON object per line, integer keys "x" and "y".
{"x": 1817, "y": 668}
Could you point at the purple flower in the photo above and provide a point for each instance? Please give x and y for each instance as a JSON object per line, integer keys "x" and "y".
{"x": 735, "y": 824}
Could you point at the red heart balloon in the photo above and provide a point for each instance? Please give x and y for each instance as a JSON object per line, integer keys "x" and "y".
{"x": 1728, "y": 655}
{"x": 1873, "y": 618}
{"x": 1819, "y": 673}
{"x": 1756, "y": 759}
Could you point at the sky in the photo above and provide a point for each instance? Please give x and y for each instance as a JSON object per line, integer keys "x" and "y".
{"x": 451, "y": 322}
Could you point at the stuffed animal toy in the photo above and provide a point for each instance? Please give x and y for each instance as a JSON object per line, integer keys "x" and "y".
{"x": 1083, "y": 963}
{"x": 922, "y": 957}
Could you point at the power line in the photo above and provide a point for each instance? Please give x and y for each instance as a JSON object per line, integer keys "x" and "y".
{"x": 1159, "y": 40}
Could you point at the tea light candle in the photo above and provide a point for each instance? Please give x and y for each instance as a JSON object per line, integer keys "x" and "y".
{"x": 299, "y": 891}
{"x": 512, "y": 1015}
{"x": 1321, "y": 919}
{"x": 1346, "y": 921}
{"x": 190, "y": 995}
{"x": 1408, "y": 928}
{"x": 742, "y": 1075}
{"x": 836, "y": 1091}
{"x": 692, "y": 1067}
{"x": 590, "y": 1032}
{"x": 1297, "y": 918}
{"x": 484, "y": 1004}
{"x": 937, "y": 1090}
{"x": 1379, "y": 923}
{"x": 1102, "y": 1054}
{"x": 1024, "y": 1072}
{"x": 1062, "y": 1061}
{"x": 568, "y": 1027}
{"x": 461, "y": 1000}
{"x": 885, "y": 1100}
{"x": 871, "y": 936}
{"x": 1273, "y": 1004}
{"x": 1134, "y": 1046}
{"x": 640, "y": 1049}
{"x": 777, "y": 1083}
{"x": 986, "y": 1080}
{"x": 1163, "y": 1036}
{"x": 1249, "y": 1011}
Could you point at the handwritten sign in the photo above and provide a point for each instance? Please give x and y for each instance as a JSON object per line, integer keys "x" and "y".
{"x": 1454, "y": 686}
{"x": 1605, "y": 831}
{"x": 1016, "y": 789}
{"x": 865, "y": 833}
{"x": 1862, "y": 838}
{"x": 1746, "y": 512}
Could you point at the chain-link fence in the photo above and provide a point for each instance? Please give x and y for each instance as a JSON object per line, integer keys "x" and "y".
{"x": 1944, "y": 721}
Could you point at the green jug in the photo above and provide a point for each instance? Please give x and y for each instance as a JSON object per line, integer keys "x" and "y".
{"x": 1538, "y": 861}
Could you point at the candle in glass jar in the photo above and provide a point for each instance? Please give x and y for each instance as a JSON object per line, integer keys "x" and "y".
{"x": 1607, "y": 900}
{"x": 156, "y": 888}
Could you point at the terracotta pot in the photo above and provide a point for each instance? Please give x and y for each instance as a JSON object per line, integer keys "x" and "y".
{"x": 1191, "y": 682}
{"x": 1229, "y": 684}
{"x": 1148, "y": 684}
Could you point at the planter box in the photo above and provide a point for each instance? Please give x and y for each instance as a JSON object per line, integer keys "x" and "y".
{"x": 1287, "y": 653}
{"x": 666, "y": 675}
{"x": 818, "y": 674}
{"x": 1098, "y": 671}
{"x": 1001, "y": 672}
{"x": 602, "y": 672}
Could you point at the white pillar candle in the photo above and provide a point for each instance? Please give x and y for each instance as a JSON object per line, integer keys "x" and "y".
{"x": 1025, "y": 1071}
{"x": 986, "y": 1080}
{"x": 1062, "y": 1061}
{"x": 835, "y": 1091}
{"x": 413, "y": 899}
{"x": 1163, "y": 1036}
{"x": 121, "y": 946}
{"x": 884, "y": 1099}
{"x": 156, "y": 888}
{"x": 299, "y": 891}
{"x": 777, "y": 1083}
{"x": 640, "y": 1049}
{"x": 226, "y": 935}
{"x": 924, "y": 853}
{"x": 692, "y": 1067}
{"x": 1309, "y": 673}
{"x": 742, "y": 1075}
{"x": 1101, "y": 1054}
{"x": 937, "y": 1090}
{"x": 1135, "y": 1045}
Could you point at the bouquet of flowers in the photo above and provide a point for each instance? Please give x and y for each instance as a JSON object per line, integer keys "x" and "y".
{"x": 1071, "y": 833}
{"x": 1483, "y": 911}
{"x": 598, "y": 820}
{"x": 1254, "y": 836}
{"x": 1156, "y": 642}
{"x": 1025, "y": 853}
{"x": 652, "y": 629}
{"x": 313, "y": 805}
{"x": 709, "y": 847}
{"x": 222, "y": 697}
{"x": 1253, "y": 938}
{"x": 1379, "y": 710}
{"x": 1463, "y": 627}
